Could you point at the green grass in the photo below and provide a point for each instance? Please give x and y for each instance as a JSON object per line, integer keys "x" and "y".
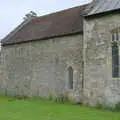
{"x": 38, "y": 109}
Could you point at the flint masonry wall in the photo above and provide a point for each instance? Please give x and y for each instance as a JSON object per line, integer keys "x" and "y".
{"x": 100, "y": 87}
{"x": 40, "y": 68}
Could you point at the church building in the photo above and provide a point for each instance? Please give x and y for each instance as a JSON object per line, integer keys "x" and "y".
{"x": 73, "y": 52}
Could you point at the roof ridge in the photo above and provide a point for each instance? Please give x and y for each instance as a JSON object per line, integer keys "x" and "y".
{"x": 61, "y": 11}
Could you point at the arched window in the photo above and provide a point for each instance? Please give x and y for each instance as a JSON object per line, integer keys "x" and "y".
{"x": 70, "y": 77}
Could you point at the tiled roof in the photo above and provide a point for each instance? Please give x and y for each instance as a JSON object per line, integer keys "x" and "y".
{"x": 61, "y": 23}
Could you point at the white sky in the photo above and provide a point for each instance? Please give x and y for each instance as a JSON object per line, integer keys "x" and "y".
{"x": 13, "y": 11}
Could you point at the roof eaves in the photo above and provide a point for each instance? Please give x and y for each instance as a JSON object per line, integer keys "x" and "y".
{"x": 45, "y": 38}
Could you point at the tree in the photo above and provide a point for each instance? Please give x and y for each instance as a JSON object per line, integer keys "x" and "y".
{"x": 30, "y": 15}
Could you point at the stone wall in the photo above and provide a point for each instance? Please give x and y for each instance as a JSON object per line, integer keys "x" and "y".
{"x": 100, "y": 87}
{"x": 40, "y": 68}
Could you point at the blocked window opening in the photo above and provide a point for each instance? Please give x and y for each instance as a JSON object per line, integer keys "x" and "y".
{"x": 70, "y": 77}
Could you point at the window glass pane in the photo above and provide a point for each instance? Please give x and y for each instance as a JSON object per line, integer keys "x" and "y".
{"x": 113, "y": 37}
{"x": 115, "y": 60}
{"x": 117, "y": 36}
{"x": 70, "y": 76}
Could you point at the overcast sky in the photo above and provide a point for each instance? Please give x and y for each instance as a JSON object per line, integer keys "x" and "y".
{"x": 13, "y": 11}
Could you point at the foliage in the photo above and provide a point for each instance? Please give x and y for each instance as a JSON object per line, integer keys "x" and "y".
{"x": 105, "y": 107}
{"x": 117, "y": 107}
{"x": 61, "y": 98}
{"x": 21, "y": 97}
{"x": 30, "y": 15}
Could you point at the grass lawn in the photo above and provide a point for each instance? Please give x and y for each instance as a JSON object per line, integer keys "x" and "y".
{"x": 12, "y": 109}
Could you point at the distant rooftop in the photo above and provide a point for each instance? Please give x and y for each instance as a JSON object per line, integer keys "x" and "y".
{"x": 103, "y": 6}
